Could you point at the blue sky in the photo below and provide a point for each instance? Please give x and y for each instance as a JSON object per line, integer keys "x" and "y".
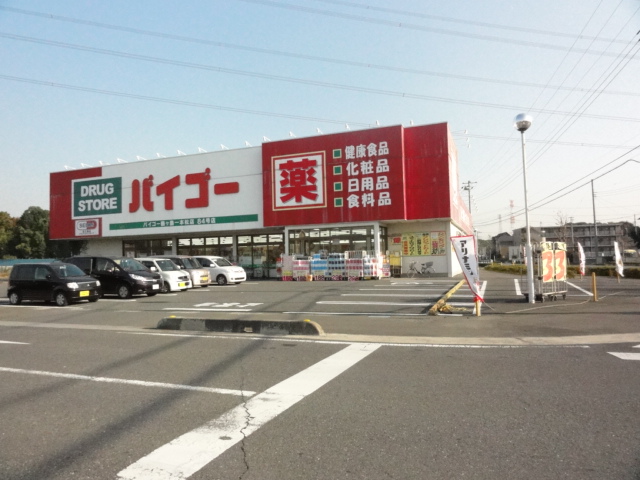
{"x": 84, "y": 82}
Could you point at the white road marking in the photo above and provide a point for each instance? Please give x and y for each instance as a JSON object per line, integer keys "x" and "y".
{"x": 338, "y": 302}
{"x": 517, "y": 285}
{"x": 368, "y": 314}
{"x": 209, "y": 309}
{"x": 625, "y": 356}
{"x": 580, "y": 288}
{"x": 184, "y": 456}
{"x": 142, "y": 383}
{"x": 342, "y": 342}
{"x": 13, "y": 343}
{"x": 385, "y": 295}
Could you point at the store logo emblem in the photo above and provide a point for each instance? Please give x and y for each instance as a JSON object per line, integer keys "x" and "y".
{"x": 96, "y": 197}
{"x": 299, "y": 181}
{"x": 85, "y": 228}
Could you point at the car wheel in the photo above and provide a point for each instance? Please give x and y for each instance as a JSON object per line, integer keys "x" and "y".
{"x": 165, "y": 288}
{"x": 124, "y": 291}
{"x": 221, "y": 279}
{"x": 15, "y": 298}
{"x": 61, "y": 299}
{"x": 93, "y": 300}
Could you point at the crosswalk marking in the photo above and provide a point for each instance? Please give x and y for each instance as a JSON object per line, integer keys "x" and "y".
{"x": 185, "y": 455}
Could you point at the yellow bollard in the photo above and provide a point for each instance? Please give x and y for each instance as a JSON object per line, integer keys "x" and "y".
{"x": 478, "y": 304}
{"x": 594, "y": 287}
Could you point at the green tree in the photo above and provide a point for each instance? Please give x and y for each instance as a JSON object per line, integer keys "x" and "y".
{"x": 31, "y": 234}
{"x": 7, "y": 227}
{"x": 633, "y": 232}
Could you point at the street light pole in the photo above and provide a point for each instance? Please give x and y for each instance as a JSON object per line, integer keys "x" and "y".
{"x": 522, "y": 122}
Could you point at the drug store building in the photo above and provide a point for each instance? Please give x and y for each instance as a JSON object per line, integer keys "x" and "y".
{"x": 390, "y": 191}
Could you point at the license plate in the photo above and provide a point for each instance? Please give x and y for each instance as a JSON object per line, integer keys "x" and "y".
{"x": 156, "y": 287}
{"x": 182, "y": 284}
{"x": 84, "y": 293}
{"x": 205, "y": 279}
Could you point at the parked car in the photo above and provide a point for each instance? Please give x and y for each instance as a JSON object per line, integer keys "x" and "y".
{"x": 122, "y": 276}
{"x": 221, "y": 270}
{"x": 199, "y": 275}
{"x": 62, "y": 283}
{"x": 173, "y": 277}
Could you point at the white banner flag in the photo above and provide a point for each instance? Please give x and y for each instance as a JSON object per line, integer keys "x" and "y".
{"x": 582, "y": 260}
{"x": 619, "y": 265}
{"x": 465, "y": 248}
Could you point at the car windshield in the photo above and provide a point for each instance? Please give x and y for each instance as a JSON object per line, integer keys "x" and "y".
{"x": 223, "y": 262}
{"x": 167, "y": 265}
{"x": 130, "y": 265}
{"x": 67, "y": 270}
{"x": 191, "y": 263}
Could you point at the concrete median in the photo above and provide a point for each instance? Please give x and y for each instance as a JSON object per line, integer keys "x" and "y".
{"x": 263, "y": 327}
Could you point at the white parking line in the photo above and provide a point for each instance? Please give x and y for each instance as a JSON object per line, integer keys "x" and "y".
{"x": 337, "y": 302}
{"x": 13, "y": 343}
{"x": 142, "y": 383}
{"x": 184, "y": 456}
{"x": 208, "y": 309}
{"x": 581, "y": 289}
{"x": 517, "y": 285}
{"x": 395, "y": 295}
{"x": 626, "y": 356}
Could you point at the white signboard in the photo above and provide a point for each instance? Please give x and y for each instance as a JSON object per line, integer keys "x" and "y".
{"x": 465, "y": 248}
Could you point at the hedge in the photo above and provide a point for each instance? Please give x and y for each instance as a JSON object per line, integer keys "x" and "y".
{"x": 572, "y": 272}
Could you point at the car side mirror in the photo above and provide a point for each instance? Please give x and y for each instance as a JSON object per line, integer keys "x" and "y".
{"x": 153, "y": 269}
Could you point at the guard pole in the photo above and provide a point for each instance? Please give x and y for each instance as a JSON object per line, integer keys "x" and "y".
{"x": 594, "y": 287}
{"x": 478, "y": 304}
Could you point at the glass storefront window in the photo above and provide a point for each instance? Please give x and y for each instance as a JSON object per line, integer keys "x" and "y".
{"x": 335, "y": 240}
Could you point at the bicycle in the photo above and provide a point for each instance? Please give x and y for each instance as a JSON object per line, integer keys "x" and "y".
{"x": 427, "y": 269}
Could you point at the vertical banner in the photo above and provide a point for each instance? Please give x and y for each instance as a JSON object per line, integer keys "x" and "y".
{"x": 465, "y": 248}
{"x": 619, "y": 265}
{"x": 582, "y": 259}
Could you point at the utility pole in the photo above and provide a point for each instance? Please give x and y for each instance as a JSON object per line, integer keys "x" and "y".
{"x": 468, "y": 186}
{"x": 595, "y": 225}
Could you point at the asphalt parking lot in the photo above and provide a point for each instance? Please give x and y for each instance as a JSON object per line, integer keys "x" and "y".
{"x": 394, "y": 308}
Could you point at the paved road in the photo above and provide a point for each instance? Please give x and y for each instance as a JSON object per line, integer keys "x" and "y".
{"x": 90, "y": 403}
{"x": 93, "y": 391}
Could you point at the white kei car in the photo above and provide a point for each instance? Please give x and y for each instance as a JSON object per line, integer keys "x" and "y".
{"x": 221, "y": 270}
{"x": 173, "y": 277}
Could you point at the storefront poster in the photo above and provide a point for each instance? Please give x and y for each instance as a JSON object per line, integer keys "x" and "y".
{"x": 429, "y": 243}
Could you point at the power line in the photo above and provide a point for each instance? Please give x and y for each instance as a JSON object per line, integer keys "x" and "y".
{"x": 409, "y": 26}
{"x": 414, "y": 14}
{"x": 288, "y": 54}
{"x": 181, "y": 102}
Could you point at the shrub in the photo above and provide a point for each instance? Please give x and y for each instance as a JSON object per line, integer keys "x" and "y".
{"x": 573, "y": 271}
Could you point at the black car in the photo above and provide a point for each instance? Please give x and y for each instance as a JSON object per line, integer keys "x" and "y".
{"x": 51, "y": 282}
{"x": 122, "y": 276}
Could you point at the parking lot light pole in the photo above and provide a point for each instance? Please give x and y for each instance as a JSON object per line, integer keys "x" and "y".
{"x": 522, "y": 122}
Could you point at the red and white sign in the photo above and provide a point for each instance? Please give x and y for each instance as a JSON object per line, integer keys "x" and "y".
{"x": 299, "y": 181}
{"x": 387, "y": 173}
{"x": 211, "y": 192}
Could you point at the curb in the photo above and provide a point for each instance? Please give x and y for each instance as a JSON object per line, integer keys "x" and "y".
{"x": 434, "y": 310}
{"x": 264, "y": 327}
